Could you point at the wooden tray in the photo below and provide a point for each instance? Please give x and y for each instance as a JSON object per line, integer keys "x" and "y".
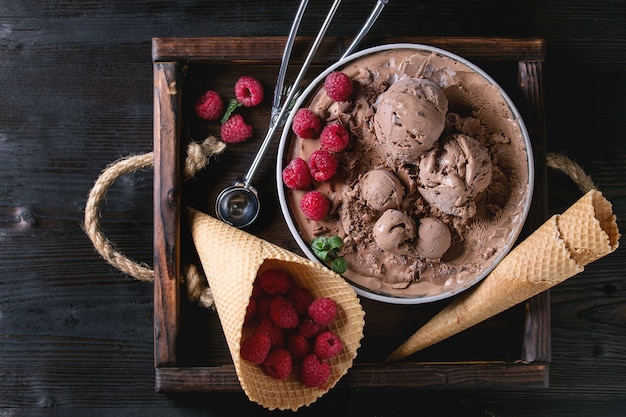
{"x": 511, "y": 350}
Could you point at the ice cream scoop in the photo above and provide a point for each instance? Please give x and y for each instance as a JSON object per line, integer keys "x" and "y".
{"x": 433, "y": 238}
{"x": 381, "y": 190}
{"x": 455, "y": 172}
{"x": 410, "y": 117}
{"x": 239, "y": 204}
{"x": 394, "y": 232}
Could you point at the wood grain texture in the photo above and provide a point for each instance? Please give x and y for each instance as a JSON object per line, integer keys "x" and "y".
{"x": 167, "y": 212}
{"x": 76, "y": 336}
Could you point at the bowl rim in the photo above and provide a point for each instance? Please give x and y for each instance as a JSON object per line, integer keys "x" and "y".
{"x": 517, "y": 118}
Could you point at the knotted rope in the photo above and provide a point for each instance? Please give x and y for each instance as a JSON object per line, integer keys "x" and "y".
{"x": 198, "y": 155}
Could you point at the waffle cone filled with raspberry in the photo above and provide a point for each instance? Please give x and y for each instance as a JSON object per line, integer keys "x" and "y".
{"x": 558, "y": 250}
{"x": 232, "y": 259}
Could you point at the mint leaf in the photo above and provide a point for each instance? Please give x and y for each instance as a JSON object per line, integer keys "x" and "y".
{"x": 327, "y": 249}
{"x": 320, "y": 248}
{"x": 335, "y": 242}
{"x": 319, "y": 243}
{"x": 322, "y": 254}
{"x": 232, "y": 106}
{"x": 339, "y": 265}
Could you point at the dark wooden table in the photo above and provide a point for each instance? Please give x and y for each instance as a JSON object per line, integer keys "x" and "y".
{"x": 76, "y": 335}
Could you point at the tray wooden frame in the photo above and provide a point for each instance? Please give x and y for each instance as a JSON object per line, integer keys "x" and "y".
{"x": 170, "y": 55}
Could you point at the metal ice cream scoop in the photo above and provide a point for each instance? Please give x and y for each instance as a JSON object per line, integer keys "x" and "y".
{"x": 238, "y": 204}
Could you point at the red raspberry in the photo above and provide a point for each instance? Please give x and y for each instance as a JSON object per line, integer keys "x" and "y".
{"x": 235, "y": 130}
{"x": 314, "y": 372}
{"x": 306, "y": 124}
{"x": 251, "y": 310}
{"x": 249, "y": 91}
{"x": 334, "y": 138}
{"x": 283, "y": 314}
{"x": 257, "y": 291}
{"x": 298, "y": 345}
{"x": 301, "y": 299}
{"x": 310, "y": 328}
{"x": 327, "y": 345}
{"x": 338, "y": 86}
{"x": 314, "y": 205}
{"x": 323, "y": 310}
{"x": 256, "y": 347}
{"x": 209, "y": 106}
{"x": 322, "y": 165}
{"x": 296, "y": 174}
{"x": 277, "y": 364}
{"x": 263, "y": 307}
{"x": 275, "y": 281}
{"x": 276, "y": 334}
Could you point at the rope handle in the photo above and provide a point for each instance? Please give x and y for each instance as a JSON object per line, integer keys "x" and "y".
{"x": 565, "y": 165}
{"x": 198, "y": 155}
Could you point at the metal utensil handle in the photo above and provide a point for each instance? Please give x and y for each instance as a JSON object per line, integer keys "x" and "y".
{"x": 380, "y": 5}
{"x": 285, "y": 108}
{"x": 278, "y": 90}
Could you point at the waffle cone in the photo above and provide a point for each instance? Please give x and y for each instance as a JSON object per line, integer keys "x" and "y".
{"x": 556, "y": 251}
{"x": 231, "y": 259}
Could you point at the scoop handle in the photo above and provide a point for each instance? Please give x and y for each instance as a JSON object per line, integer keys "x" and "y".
{"x": 285, "y": 108}
{"x": 380, "y": 5}
{"x": 284, "y": 63}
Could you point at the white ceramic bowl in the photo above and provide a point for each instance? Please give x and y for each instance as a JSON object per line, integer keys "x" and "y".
{"x": 522, "y": 205}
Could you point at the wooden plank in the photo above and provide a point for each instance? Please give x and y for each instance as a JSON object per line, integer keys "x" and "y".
{"x": 371, "y": 376}
{"x": 166, "y": 211}
{"x": 537, "y": 329}
{"x": 270, "y": 48}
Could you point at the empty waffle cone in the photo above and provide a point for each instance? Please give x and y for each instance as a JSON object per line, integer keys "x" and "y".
{"x": 556, "y": 251}
{"x": 231, "y": 259}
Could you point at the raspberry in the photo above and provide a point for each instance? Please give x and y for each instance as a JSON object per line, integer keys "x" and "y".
{"x": 314, "y": 372}
{"x": 323, "y": 310}
{"x": 301, "y": 299}
{"x": 282, "y": 313}
{"x": 334, "y": 138}
{"x": 263, "y": 307}
{"x": 306, "y": 124}
{"x": 251, "y": 310}
{"x": 338, "y": 86}
{"x": 322, "y": 165}
{"x": 267, "y": 326}
{"x": 310, "y": 328}
{"x": 209, "y": 106}
{"x": 277, "y": 364}
{"x": 257, "y": 291}
{"x": 275, "y": 281}
{"x": 296, "y": 174}
{"x": 314, "y": 205}
{"x": 256, "y": 347}
{"x": 327, "y": 345}
{"x": 236, "y": 130}
{"x": 298, "y": 345}
{"x": 249, "y": 91}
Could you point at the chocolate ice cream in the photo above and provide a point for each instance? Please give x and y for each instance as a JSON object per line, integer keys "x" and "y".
{"x": 394, "y": 232}
{"x": 381, "y": 190}
{"x": 452, "y": 175}
{"x": 433, "y": 238}
{"x": 434, "y": 185}
{"x": 410, "y": 116}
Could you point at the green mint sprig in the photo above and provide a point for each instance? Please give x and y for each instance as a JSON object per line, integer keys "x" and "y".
{"x": 233, "y": 104}
{"x": 327, "y": 249}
